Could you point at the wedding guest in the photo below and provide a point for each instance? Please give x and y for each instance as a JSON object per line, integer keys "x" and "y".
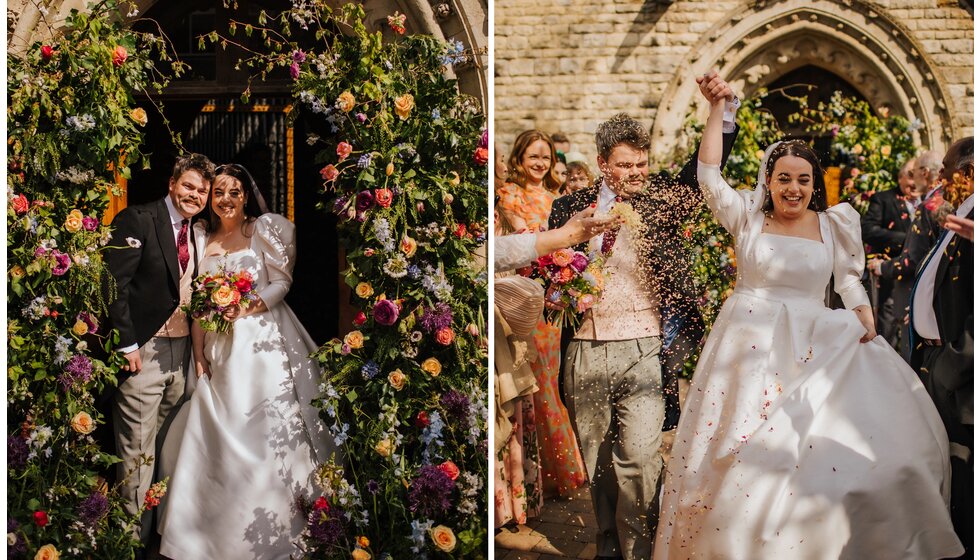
{"x": 621, "y": 388}
{"x": 920, "y": 237}
{"x": 518, "y": 303}
{"x": 153, "y": 266}
{"x": 561, "y": 171}
{"x": 561, "y": 142}
{"x": 524, "y": 206}
{"x": 579, "y": 177}
{"x": 242, "y": 452}
{"x": 499, "y": 168}
{"x": 942, "y": 318}
{"x": 782, "y": 451}
{"x": 883, "y": 230}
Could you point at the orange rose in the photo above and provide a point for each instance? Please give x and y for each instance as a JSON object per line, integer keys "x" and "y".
{"x": 432, "y": 367}
{"x": 563, "y": 257}
{"x": 409, "y": 246}
{"x": 360, "y": 554}
{"x": 404, "y": 105}
{"x": 82, "y": 423}
{"x": 73, "y": 222}
{"x": 451, "y": 470}
{"x": 139, "y": 115}
{"x": 383, "y": 197}
{"x": 80, "y": 328}
{"x": 364, "y": 290}
{"x": 384, "y": 448}
{"x": 119, "y": 55}
{"x": 47, "y": 552}
{"x": 443, "y": 537}
{"x": 397, "y": 379}
{"x": 445, "y": 336}
{"x": 354, "y": 339}
{"x": 345, "y": 102}
{"x": 224, "y": 296}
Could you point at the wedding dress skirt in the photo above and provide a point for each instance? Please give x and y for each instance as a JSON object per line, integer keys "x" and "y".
{"x": 246, "y": 444}
{"x": 796, "y": 440}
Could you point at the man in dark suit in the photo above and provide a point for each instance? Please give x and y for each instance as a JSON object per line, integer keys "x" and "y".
{"x": 621, "y": 391}
{"x": 942, "y": 341}
{"x": 883, "y": 228}
{"x": 153, "y": 263}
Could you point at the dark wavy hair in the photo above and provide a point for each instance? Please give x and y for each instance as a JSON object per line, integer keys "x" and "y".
{"x": 193, "y": 162}
{"x": 255, "y": 204}
{"x": 518, "y": 174}
{"x": 800, "y": 149}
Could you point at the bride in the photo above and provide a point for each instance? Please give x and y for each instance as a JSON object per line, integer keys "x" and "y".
{"x": 246, "y": 445}
{"x": 803, "y": 434}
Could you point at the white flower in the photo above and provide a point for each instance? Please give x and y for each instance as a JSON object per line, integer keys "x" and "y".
{"x": 11, "y": 539}
{"x": 134, "y": 243}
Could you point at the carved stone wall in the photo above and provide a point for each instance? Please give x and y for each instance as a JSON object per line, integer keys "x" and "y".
{"x": 565, "y": 66}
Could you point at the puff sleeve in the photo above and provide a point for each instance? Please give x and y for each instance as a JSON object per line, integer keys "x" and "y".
{"x": 276, "y": 242}
{"x": 845, "y": 227}
{"x": 729, "y": 206}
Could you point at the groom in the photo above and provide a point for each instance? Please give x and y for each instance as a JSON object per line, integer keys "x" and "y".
{"x": 621, "y": 389}
{"x": 153, "y": 266}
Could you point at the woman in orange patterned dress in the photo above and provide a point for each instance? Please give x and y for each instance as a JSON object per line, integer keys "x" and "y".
{"x": 524, "y": 205}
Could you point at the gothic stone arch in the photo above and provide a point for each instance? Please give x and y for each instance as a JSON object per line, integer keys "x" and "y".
{"x": 764, "y": 39}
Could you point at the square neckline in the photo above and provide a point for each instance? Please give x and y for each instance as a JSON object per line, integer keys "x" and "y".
{"x": 820, "y": 221}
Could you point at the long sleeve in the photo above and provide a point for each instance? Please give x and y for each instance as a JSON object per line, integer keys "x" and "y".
{"x": 513, "y": 251}
{"x": 277, "y": 245}
{"x": 123, "y": 258}
{"x": 845, "y": 226}
{"x": 729, "y": 206}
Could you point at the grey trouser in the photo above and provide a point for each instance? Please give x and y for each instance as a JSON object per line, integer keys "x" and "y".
{"x": 140, "y": 410}
{"x": 616, "y": 404}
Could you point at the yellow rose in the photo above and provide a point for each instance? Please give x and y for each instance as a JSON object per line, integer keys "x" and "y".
{"x": 857, "y": 149}
{"x": 360, "y": 554}
{"x": 17, "y": 271}
{"x": 354, "y": 339}
{"x": 443, "y": 537}
{"x": 80, "y": 328}
{"x": 82, "y": 423}
{"x": 432, "y": 367}
{"x": 384, "y": 448}
{"x": 409, "y": 246}
{"x": 886, "y": 151}
{"x": 223, "y": 296}
{"x": 345, "y": 102}
{"x": 364, "y": 290}
{"x": 403, "y": 105}
{"x": 363, "y": 542}
{"x": 47, "y": 552}
{"x": 73, "y": 222}
{"x": 139, "y": 115}
{"x": 397, "y": 379}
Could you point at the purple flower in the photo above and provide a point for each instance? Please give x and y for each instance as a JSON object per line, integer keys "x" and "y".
{"x": 89, "y": 321}
{"x": 435, "y": 318}
{"x": 370, "y": 370}
{"x": 579, "y": 262}
{"x": 361, "y": 117}
{"x": 17, "y": 452}
{"x": 326, "y": 526}
{"x": 294, "y": 71}
{"x": 340, "y": 206}
{"x": 345, "y": 349}
{"x": 372, "y": 486}
{"x": 485, "y": 139}
{"x": 40, "y": 252}
{"x": 93, "y": 508}
{"x": 365, "y": 200}
{"x": 456, "y": 404}
{"x": 62, "y": 263}
{"x": 429, "y": 493}
{"x": 78, "y": 369}
{"x": 299, "y": 56}
{"x": 90, "y": 223}
{"x": 385, "y": 312}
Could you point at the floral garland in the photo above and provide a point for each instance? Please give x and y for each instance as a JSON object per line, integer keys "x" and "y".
{"x": 405, "y": 170}
{"x": 70, "y": 115}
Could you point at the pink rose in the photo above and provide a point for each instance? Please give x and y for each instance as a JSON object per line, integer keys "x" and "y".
{"x": 385, "y": 312}
{"x": 445, "y": 336}
{"x": 119, "y": 55}
{"x": 360, "y": 318}
{"x": 563, "y": 257}
{"x": 383, "y": 197}
{"x": 579, "y": 262}
{"x": 584, "y": 303}
{"x": 343, "y": 150}
{"x": 20, "y": 204}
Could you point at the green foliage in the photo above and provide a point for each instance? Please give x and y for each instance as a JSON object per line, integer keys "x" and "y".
{"x": 404, "y": 167}
{"x": 71, "y": 124}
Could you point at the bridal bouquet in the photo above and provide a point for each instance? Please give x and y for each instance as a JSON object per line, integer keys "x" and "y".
{"x": 576, "y": 283}
{"x": 215, "y": 293}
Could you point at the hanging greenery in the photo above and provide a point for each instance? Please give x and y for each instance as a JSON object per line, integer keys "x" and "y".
{"x": 72, "y": 125}
{"x": 404, "y": 166}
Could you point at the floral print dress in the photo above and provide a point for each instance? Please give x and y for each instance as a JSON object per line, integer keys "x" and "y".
{"x": 561, "y": 462}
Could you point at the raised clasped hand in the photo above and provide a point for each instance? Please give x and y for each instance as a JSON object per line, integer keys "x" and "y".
{"x": 714, "y": 88}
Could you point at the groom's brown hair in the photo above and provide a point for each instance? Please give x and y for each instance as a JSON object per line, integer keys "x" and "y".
{"x": 621, "y": 129}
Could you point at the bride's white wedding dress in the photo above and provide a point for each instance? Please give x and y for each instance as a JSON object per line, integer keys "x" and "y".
{"x": 247, "y": 442}
{"x": 797, "y": 441}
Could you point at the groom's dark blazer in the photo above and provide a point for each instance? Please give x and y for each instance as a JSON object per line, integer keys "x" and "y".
{"x": 148, "y": 276}
{"x": 667, "y": 203}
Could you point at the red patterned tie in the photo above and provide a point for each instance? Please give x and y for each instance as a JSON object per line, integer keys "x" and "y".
{"x": 183, "y": 255}
{"x": 608, "y": 240}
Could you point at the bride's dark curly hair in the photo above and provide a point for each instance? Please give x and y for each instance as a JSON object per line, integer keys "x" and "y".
{"x": 255, "y": 204}
{"x": 800, "y": 149}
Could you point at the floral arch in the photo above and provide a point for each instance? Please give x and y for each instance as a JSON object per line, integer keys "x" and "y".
{"x": 763, "y": 40}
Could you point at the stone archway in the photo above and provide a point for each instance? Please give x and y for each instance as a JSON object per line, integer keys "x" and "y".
{"x": 764, "y": 39}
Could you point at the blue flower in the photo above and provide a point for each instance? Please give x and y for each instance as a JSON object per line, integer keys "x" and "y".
{"x": 370, "y": 370}
{"x": 435, "y": 114}
{"x": 364, "y": 161}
